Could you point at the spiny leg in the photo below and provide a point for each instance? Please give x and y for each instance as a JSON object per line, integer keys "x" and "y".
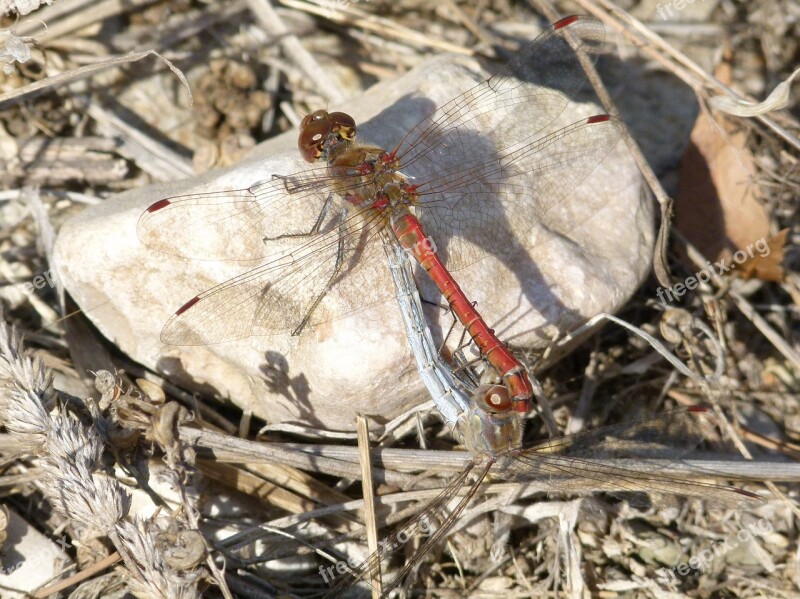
{"x": 463, "y": 367}
{"x": 331, "y": 280}
{"x": 314, "y": 229}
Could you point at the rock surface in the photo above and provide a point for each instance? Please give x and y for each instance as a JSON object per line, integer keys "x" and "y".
{"x": 30, "y": 559}
{"x": 590, "y": 256}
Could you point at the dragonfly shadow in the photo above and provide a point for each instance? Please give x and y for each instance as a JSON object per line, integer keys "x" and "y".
{"x": 491, "y": 164}
{"x": 659, "y": 110}
{"x": 478, "y": 197}
{"x": 295, "y": 389}
{"x": 174, "y": 367}
{"x": 276, "y": 378}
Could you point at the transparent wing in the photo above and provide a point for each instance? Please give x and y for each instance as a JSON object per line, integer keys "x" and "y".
{"x": 482, "y": 188}
{"x": 592, "y": 459}
{"x": 486, "y": 205}
{"x": 534, "y": 86}
{"x": 485, "y": 166}
{"x": 344, "y": 264}
{"x": 414, "y": 527}
{"x": 575, "y": 464}
{"x": 238, "y": 224}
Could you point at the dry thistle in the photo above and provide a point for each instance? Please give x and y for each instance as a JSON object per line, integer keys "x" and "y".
{"x": 71, "y": 455}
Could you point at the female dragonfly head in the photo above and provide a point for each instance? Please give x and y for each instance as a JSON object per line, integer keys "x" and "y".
{"x": 490, "y": 426}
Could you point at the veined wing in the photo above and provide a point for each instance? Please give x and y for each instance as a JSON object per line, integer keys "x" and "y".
{"x": 344, "y": 264}
{"x": 414, "y": 527}
{"x": 591, "y": 459}
{"x": 486, "y": 167}
{"x": 534, "y": 86}
{"x": 234, "y": 224}
{"x": 479, "y": 205}
{"x": 573, "y": 462}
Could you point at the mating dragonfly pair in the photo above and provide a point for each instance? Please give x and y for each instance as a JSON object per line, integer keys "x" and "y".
{"x": 453, "y": 190}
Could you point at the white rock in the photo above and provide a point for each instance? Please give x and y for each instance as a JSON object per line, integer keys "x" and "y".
{"x": 30, "y": 559}
{"x": 589, "y": 257}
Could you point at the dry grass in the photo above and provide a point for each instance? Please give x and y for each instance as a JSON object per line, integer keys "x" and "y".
{"x": 61, "y": 131}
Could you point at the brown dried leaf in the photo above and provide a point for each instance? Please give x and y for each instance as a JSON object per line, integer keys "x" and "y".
{"x": 767, "y": 265}
{"x": 717, "y": 209}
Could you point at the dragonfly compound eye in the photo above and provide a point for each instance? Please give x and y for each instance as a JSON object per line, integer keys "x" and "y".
{"x": 320, "y": 128}
{"x": 343, "y": 125}
{"x": 317, "y": 115}
{"x": 494, "y": 398}
{"x": 313, "y": 134}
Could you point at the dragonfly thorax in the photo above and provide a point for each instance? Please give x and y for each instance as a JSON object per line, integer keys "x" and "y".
{"x": 365, "y": 175}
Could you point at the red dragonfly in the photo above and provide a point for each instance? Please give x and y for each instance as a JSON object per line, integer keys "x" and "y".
{"x": 469, "y": 180}
{"x": 570, "y": 464}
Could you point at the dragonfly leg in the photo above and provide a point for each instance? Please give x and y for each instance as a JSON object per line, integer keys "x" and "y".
{"x": 314, "y": 229}
{"x": 331, "y": 280}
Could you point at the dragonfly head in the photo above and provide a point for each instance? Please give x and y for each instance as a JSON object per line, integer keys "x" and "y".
{"x": 490, "y": 426}
{"x": 321, "y": 131}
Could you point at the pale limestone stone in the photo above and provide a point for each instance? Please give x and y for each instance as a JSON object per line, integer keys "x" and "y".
{"x": 588, "y": 256}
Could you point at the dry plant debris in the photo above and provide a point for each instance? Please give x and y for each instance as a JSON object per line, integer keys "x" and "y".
{"x": 61, "y": 447}
{"x": 229, "y": 106}
{"x": 70, "y": 455}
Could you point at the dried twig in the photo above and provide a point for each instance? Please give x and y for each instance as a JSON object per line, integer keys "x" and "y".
{"x": 49, "y": 83}
{"x": 273, "y": 24}
{"x": 688, "y": 70}
{"x": 369, "y": 499}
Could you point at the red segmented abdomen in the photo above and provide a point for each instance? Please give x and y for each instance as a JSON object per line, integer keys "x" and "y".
{"x": 412, "y": 237}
